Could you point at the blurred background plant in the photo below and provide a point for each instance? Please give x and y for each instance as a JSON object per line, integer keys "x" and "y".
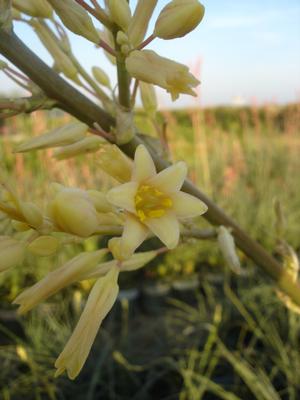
{"x": 217, "y": 336}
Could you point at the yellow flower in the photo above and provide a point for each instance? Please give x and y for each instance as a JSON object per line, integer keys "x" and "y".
{"x": 149, "y": 67}
{"x": 74, "y": 270}
{"x": 153, "y": 203}
{"x": 34, "y": 8}
{"x": 101, "y": 299}
{"x": 140, "y": 21}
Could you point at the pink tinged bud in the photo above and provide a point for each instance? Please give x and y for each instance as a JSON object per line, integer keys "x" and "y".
{"x": 178, "y": 18}
{"x": 149, "y": 67}
{"x": 73, "y": 211}
{"x": 12, "y": 252}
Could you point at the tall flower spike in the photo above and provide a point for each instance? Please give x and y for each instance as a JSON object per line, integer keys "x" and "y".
{"x": 149, "y": 67}
{"x": 100, "y": 301}
{"x": 153, "y": 203}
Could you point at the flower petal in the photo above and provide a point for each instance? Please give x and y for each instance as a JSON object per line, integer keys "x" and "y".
{"x": 123, "y": 196}
{"x": 144, "y": 167}
{"x": 134, "y": 234}
{"x": 166, "y": 228}
{"x": 187, "y": 206}
{"x": 170, "y": 179}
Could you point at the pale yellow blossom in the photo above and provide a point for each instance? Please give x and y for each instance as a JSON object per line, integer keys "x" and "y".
{"x": 153, "y": 203}
{"x": 149, "y": 67}
{"x": 101, "y": 299}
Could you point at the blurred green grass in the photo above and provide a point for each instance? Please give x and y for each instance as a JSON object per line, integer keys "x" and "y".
{"x": 234, "y": 339}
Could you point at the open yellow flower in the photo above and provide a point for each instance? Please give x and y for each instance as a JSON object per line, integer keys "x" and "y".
{"x": 153, "y": 203}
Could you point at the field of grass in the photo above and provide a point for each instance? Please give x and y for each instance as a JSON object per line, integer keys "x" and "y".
{"x": 185, "y": 327}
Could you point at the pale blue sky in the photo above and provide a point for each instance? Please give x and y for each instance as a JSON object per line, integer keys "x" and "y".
{"x": 249, "y": 50}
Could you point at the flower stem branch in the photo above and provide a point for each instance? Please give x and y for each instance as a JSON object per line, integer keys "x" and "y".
{"x": 145, "y": 42}
{"x": 72, "y": 101}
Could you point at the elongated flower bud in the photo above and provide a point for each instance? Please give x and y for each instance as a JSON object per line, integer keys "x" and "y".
{"x": 12, "y": 252}
{"x": 75, "y": 18}
{"x": 100, "y": 301}
{"x": 34, "y": 8}
{"x": 115, "y": 163}
{"x": 32, "y": 214}
{"x": 73, "y": 211}
{"x": 149, "y": 67}
{"x": 62, "y": 62}
{"x": 101, "y": 76}
{"x": 62, "y": 136}
{"x": 140, "y": 20}
{"x": 56, "y": 280}
{"x": 227, "y": 247}
{"x": 120, "y": 13}
{"x": 87, "y": 145}
{"x": 44, "y": 246}
{"x": 178, "y": 18}
{"x": 148, "y": 97}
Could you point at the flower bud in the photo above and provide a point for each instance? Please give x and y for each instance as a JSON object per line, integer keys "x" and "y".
{"x": 148, "y": 97}
{"x": 149, "y": 67}
{"x": 120, "y": 13}
{"x": 122, "y": 38}
{"x": 101, "y": 299}
{"x": 20, "y": 226}
{"x": 44, "y": 246}
{"x": 140, "y": 20}
{"x": 75, "y": 18}
{"x": 62, "y": 62}
{"x": 101, "y": 76}
{"x": 87, "y": 145}
{"x": 12, "y": 252}
{"x": 178, "y": 18}
{"x": 227, "y": 247}
{"x": 73, "y": 212}
{"x": 62, "y": 136}
{"x": 115, "y": 163}
{"x": 56, "y": 280}
{"x": 99, "y": 201}
{"x": 3, "y": 65}
{"x": 34, "y": 8}
{"x": 32, "y": 214}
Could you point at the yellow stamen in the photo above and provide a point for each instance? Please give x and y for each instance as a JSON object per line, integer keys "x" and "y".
{"x": 151, "y": 202}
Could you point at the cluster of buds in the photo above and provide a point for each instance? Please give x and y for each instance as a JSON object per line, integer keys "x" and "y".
{"x": 143, "y": 202}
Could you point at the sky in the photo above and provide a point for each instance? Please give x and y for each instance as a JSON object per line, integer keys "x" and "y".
{"x": 244, "y": 52}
